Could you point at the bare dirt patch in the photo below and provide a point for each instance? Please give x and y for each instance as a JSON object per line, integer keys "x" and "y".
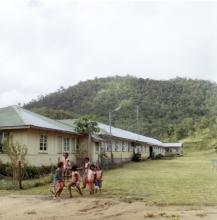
{"x": 43, "y": 208}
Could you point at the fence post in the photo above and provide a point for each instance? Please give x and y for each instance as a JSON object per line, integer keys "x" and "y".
{"x": 20, "y": 175}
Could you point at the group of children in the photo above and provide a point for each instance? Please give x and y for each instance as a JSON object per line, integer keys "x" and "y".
{"x": 92, "y": 177}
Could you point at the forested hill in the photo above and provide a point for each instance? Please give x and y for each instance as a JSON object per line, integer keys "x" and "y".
{"x": 171, "y": 109}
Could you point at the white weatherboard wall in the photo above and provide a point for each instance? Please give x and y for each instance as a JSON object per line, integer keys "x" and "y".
{"x": 31, "y": 138}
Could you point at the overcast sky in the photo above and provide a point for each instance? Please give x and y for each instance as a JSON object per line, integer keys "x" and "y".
{"x": 45, "y": 44}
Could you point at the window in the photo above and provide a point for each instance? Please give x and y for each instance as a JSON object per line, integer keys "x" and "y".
{"x": 113, "y": 146}
{"x": 66, "y": 144}
{"x": 97, "y": 147}
{"x": 139, "y": 149}
{"x": 103, "y": 147}
{"x": 116, "y": 146}
{"x": 43, "y": 143}
{"x": 120, "y": 146}
{"x": 108, "y": 147}
{"x": 4, "y": 136}
{"x": 129, "y": 146}
{"x": 60, "y": 145}
{"x": 73, "y": 145}
{"x": 77, "y": 145}
{"x": 123, "y": 146}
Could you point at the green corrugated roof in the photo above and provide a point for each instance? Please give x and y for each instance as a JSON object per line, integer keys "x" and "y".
{"x": 10, "y": 117}
{"x": 15, "y": 116}
{"x": 120, "y": 133}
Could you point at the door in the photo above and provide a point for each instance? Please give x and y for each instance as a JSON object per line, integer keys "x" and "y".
{"x": 151, "y": 155}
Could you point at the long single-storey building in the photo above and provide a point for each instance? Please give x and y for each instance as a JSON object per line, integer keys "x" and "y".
{"x": 121, "y": 144}
{"x": 46, "y": 140}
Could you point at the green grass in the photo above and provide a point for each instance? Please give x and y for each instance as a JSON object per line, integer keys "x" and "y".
{"x": 188, "y": 180}
{"x": 27, "y": 184}
{"x": 184, "y": 180}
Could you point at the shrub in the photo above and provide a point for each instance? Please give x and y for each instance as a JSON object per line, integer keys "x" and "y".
{"x": 5, "y": 169}
{"x": 30, "y": 172}
{"x": 159, "y": 156}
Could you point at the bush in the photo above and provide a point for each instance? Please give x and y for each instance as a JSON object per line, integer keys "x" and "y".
{"x": 5, "y": 169}
{"x": 158, "y": 156}
{"x": 30, "y": 172}
{"x": 137, "y": 157}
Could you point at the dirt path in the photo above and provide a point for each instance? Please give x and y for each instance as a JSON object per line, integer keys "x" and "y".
{"x": 43, "y": 208}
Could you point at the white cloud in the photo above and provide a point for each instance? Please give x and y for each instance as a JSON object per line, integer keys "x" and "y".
{"x": 46, "y": 44}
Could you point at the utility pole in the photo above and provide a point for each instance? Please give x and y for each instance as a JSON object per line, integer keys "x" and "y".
{"x": 110, "y": 135}
{"x": 137, "y": 119}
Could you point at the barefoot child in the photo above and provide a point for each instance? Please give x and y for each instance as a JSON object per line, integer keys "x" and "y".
{"x": 66, "y": 165}
{"x": 58, "y": 180}
{"x": 86, "y": 168}
{"x": 91, "y": 178}
{"x": 98, "y": 182}
{"x": 75, "y": 181}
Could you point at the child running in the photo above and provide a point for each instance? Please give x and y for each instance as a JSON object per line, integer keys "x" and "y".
{"x": 98, "y": 182}
{"x": 58, "y": 180}
{"x": 75, "y": 181}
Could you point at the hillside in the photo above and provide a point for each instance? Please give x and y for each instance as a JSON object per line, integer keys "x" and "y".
{"x": 169, "y": 110}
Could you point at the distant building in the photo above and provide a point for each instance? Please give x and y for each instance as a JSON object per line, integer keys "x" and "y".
{"x": 173, "y": 148}
{"x": 47, "y": 139}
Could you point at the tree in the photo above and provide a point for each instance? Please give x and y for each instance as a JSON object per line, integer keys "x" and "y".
{"x": 17, "y": 155}
{"x": 87, "y": 125}
{"x": 165, "y": 105}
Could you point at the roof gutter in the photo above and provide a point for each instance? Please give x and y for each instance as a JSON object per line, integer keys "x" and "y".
{"x": 14, "y": 127}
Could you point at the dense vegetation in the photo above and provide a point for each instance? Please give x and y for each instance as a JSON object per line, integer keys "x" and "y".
{"x": 168, "y": 110}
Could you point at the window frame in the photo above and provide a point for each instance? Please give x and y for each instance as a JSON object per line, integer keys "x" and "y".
{"x": 66, "y": 144}
{"x": 77, "y": 145}
{"x": 116, "y": 146}
{"x": 60, "y": 145}
{"x": 43, "y": 140}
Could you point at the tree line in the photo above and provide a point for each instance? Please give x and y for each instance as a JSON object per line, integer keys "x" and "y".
{"x": 168, "y": 109}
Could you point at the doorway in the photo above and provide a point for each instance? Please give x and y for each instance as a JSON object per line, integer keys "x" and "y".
{"x": 151, "y": 153}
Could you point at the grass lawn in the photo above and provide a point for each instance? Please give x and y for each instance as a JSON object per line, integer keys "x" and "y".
{"x": 184, "y": 180}
{"x": 188, "y": 180}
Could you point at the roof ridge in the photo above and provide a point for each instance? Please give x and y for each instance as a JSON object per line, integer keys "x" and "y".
{"x": 139, "y": 135}
{"x": 39, "y": 115}
{"x": 62, "y": 121}
{"x": 47, "y": 119}
{"x": 16, "y": 109}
